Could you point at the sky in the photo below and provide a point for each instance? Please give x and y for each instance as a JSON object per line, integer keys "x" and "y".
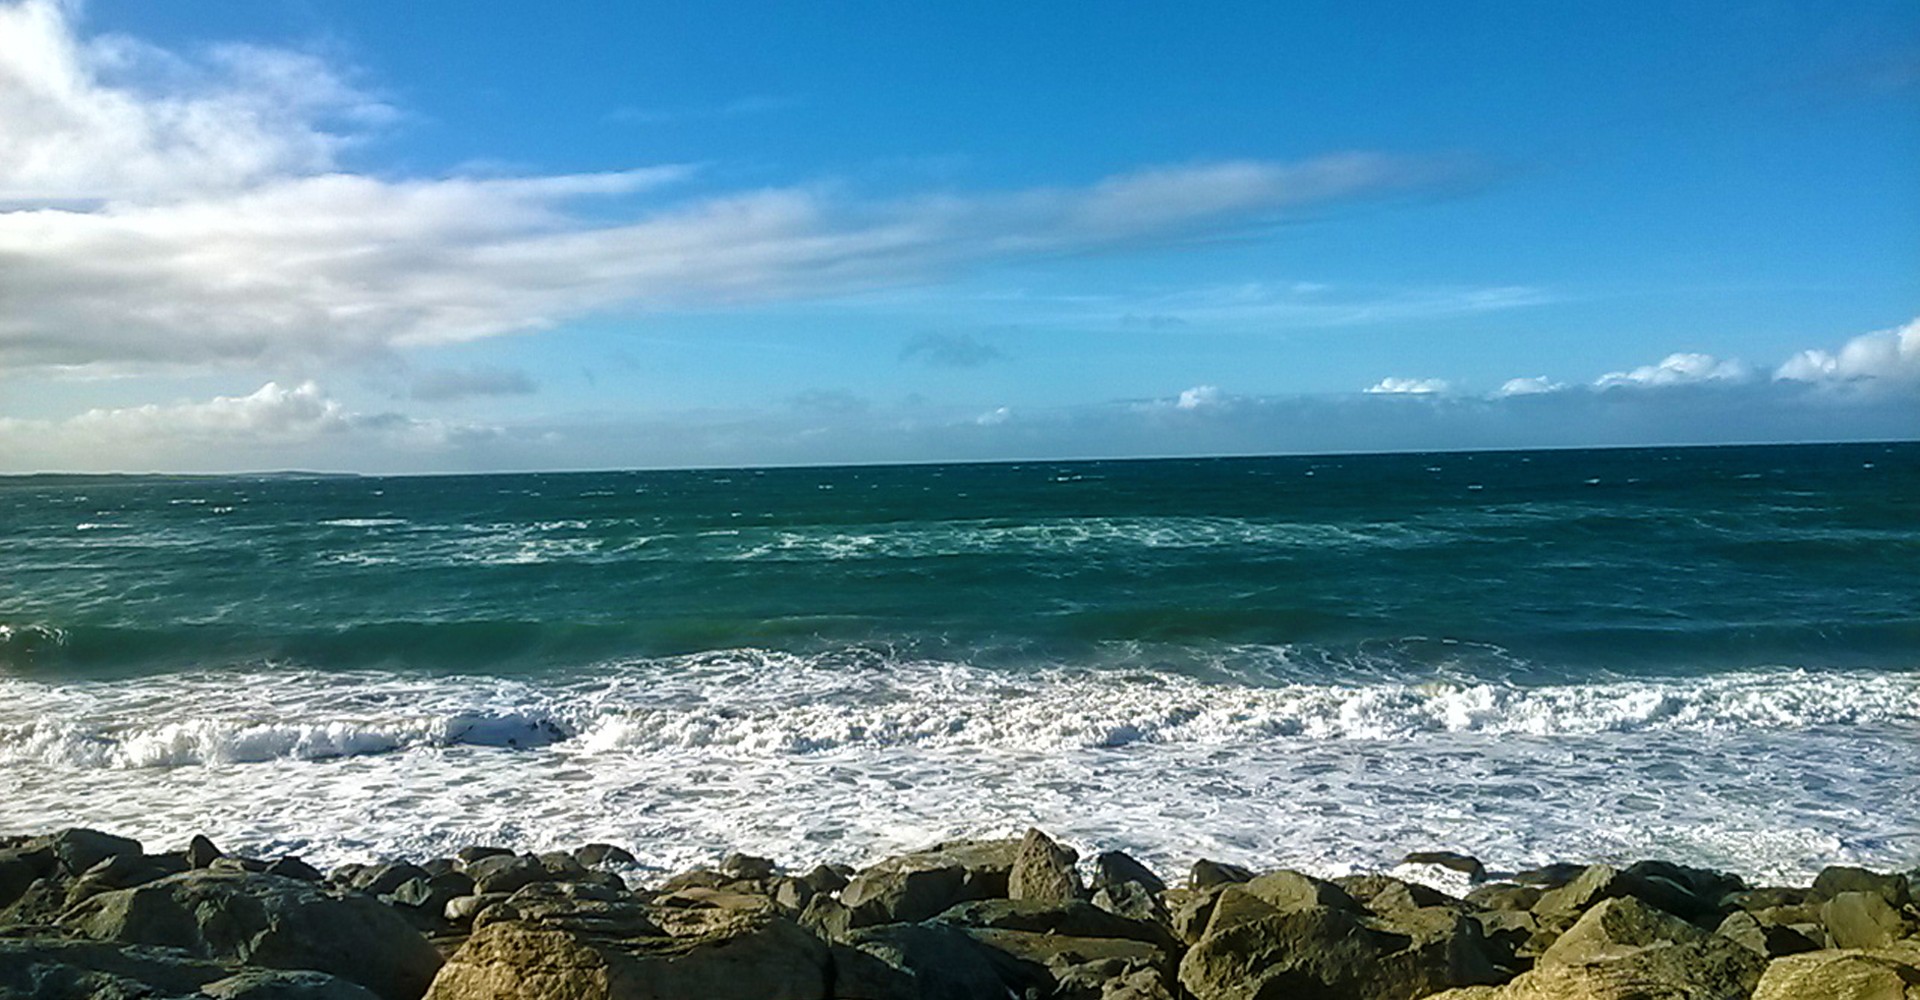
{"x": 434, "y": 236}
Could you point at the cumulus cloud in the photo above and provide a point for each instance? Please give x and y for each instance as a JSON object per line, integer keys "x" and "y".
{"x": 950, "y": 350}
{"x": 272, "y": 427}
{"x": 1889, "y": 355}
{"x": 447, "y": 384}
{"x": 1393, "y": 385}
{"x": 196, "y": 215}
{"x": 1529, "y": 386}
{"x": 1679, "y": 369}
{"x": 1199, "y": 396}
{"x": 994, "y": 417}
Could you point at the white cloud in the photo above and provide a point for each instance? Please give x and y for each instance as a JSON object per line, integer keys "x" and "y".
{"x": 275, "y": 426}
{"x": 1199, "y": 396}
{"x": 1409, "y": 385}
{"x": 1893, "y": 355}
{"x": 994, "y": 417}
{"x": 1530, "y": 386}
{"x": 1679, "y": 369}
{"x": 178, "y": 213}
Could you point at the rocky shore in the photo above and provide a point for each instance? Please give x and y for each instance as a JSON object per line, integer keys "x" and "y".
{"x": 85, "y": 914}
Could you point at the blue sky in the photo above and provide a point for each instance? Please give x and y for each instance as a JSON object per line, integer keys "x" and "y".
{"x": 434, "y": 236}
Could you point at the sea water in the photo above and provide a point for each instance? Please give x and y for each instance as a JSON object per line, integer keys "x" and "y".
{"x": 1709, "y": 655}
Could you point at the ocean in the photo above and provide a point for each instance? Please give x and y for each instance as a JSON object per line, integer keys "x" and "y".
{"x": 1708, "y": 655}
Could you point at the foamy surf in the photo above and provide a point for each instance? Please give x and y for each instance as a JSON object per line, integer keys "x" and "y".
{"x": 844, "y": 756}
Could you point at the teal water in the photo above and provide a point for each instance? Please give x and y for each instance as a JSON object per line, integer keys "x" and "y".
{"x": 1342, "y": 643}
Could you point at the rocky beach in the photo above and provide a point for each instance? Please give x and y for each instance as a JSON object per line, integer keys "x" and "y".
{"x": 86, "y": 914}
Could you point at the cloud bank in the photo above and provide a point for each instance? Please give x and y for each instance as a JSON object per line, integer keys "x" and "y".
{"x": 165, "y": 211}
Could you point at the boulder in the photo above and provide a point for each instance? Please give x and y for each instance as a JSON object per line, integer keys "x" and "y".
{"x": 1044, "y": 872}
{"x": 561, "y": 865}
{"x": 1070, "y": 919}
{"x": 602, "y": 855}
{"x": 1290, "y": 890}
{"x": 57, "y": 968}
{"x": 1133, "y": 901}
{"x": 1505, "y": 896}
{"x": 79, "y": 849}
{"x": 20, "y": 867}
{"x": 824, "y": 879}
{"x": 292, "y": 867}
{"x": 1206, "y": 874}
{"x": 381, "y": 879}
{"x": 1834, "y": 880}
{"x": 462, "y": 910}
{"x": 1768, "y": 939}
{"x": 917, "y": 962}
{"x": 1625, "y": 949}
{"x": 746, "y": 866}
{"x": 1465, "y": 864}
{"x": 1115, "y": 868}
{"x": 541, "y": 960}
{"x": 1884, "y": 974}
{"x": 1074, "y": 968}
{"x": 468, "y": 855}
{"x": 1189, "y": 910}
{"x": 269, "y": 984}
{"x": 1862, "y": 920}
{"x": 696, "y": 911}
{"x": 912, "y": 887}
{"x": 1601, "y": 882}
{"x": 201, "y": 852}
{"x": 267, "y": 921}
{"x": 1309, "y": 952}
{"x": 506, "y": 873}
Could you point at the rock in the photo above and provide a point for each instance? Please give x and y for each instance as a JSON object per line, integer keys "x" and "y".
{"x": 1290, "y": 890}
{"x": 201, "y": 852}
{"x": 55, "y": 968}
{"x": 294, "y": 868}
{"x": 1505, "y": 896}
{"x": 791, "y": 894}
{"x": 229, "y": 863}
{"x": 123, "y": 871}
{"x": 79, "y": 849}
{"x": 746, "y": 866}
{"x": 827, "y": 918}
{"x": 1206, "y": 874}
{"x": 20, "y": 867}
{"x": 1767, "y": 939}
{"x": 268, "y": 921}
{"x": 1626, "y": 949}
{"x": 1834, "y": 880}
{"x": 1889, "y": 974}
{"x": 431, "y": 895}
{"x": 577, "y": 907}
{"x": 506, "y": 873}
{"x": 439, "y": 866}
{"x": 1073, "y": 918}
{"x": 561, "y": 865}
{"x": 1072, "y": 968}
{"x": 1044, "y": 872}
{"x": 774, "y": 960}
{"x": 698, "y": 878}
{"x": 1862, "y": 920}
{"x": 1465, "y": 864}
{"x": 696, "y": 911}
{"x": 1601, "y": 882}
{"x": 1114, "y": 868}
{"x": 265, "y": 984}
{"x": 1551, "y": 876}
{"x": 1189, "y": 910}
{"x": 468, "y": 855}
{"x": 913, "y": 887}
{"x": 1386, "y": 894}
{"x": 1508, "y": 938}
{"x": 461, "y": 910}
{"x": 601, "y": 855}
{"x": 824, "y": 879}
{"x": 1309, "y": 952}
{"x": 382, "y": 879}
{"x": 1769, "y": 898}
{"x": 1133, "y": 901}
{"x": 915, "y": 962}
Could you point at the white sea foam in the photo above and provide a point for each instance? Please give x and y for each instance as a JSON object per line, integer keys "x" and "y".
{"x": 844, "y": 757}
{"x": 364, "y": 522}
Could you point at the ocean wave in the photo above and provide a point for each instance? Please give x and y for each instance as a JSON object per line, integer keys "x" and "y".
{"x": 768, "y": 704}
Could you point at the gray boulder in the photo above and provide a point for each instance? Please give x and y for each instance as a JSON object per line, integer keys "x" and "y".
{"x": 917, "y": 962}
{"x": 1834, "y": 880}
{"x": 912, "y": 887}
{"x": 1878, "y": 974}
{"x": 79, "y": 849}
{"x": 1115, "y": 868}
{"x": 1207, "y": 874}
{"x": 506, "y": 873}
{"x": 1044, "y": 872}
{"x": 266, "y": 921}
{"x": 1862, "y": 920}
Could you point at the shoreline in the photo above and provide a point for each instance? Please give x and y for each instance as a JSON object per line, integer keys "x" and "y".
{"x": 88, "y": 913}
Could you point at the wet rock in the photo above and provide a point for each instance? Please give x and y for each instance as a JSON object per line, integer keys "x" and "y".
{"x": 1623, "y": 948}
{"x": 462, "y": 910}
{"x": 229, "y": 863}
{"x": 1314, "y": 951}
{"x": 470, "y": 854}
{"x": 1290, "y": 890}
{"x": 294, "y": 868}
{"x": 506, "y": 873}
{"x": 1862, "y": 920}
{"x": 20, "y": 867}
{"x": 432, "y": 894}
{"x": 1206, "y": 874}
{"x": 1133, "y": 901}
{"x": 201, "y": 852}
{"x": 1073, "y": 918}
{"x": 382, "y": 879}
{"x": 912, "y": 887}
{"x": 601, "y": 855}
{"x": 1044, "y": 872}
{"x": 79, "y": 849}
{"x": 267, "y": 921}
{"x": 1073, "y": 968}
{"x": 267, "y": 984}
{"x": 1551, "y": 876}
{"x": 746, "y": 866}
{"x": 1386, "y": 894}
{"x": 1602, "y": 882}
{"x": 824, "y": 879}
{"x": 1837, "y": 879}
{"x": 1115, "y": 868}
{"x": 1767, "y": 939}
{"x": 916, "y": 962}
{"x": 561, "y": 865}
{"x": 536, "y": 960}
{"x": 58, "y": 968}
{"x": 1465, "y": 864}
{"x": 1883, "y": 974}
{"x": 439, "y": 866}
{"x": 123, "y": 871}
